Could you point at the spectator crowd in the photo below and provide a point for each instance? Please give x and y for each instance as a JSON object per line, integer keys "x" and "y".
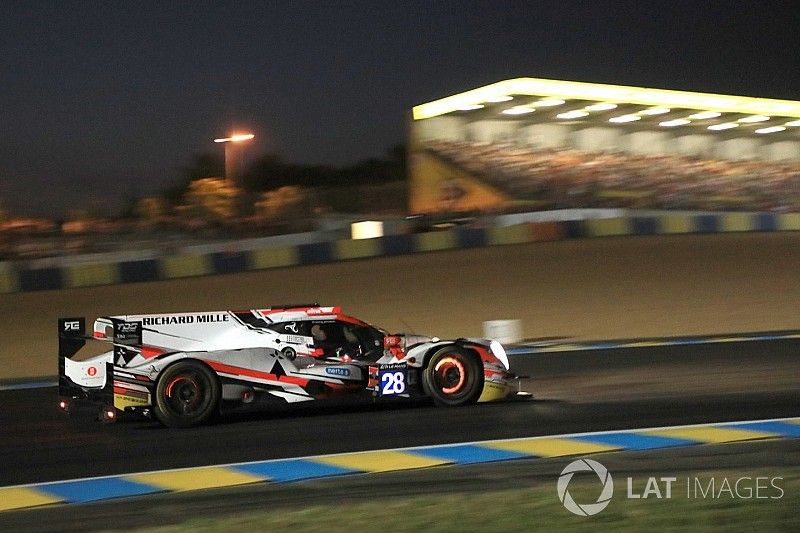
{"x": 570, "y": 178}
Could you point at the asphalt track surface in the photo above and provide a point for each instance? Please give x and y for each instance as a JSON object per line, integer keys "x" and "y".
{"x": 694, "y": 384}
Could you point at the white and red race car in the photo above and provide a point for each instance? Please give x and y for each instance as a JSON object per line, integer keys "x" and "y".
{"x": 184, "y": 367}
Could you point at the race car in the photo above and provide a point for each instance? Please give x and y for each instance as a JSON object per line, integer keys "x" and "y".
{"x": 184, "y": 368}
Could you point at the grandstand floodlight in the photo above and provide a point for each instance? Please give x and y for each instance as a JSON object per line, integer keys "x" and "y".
{"x": 596, "y": 92}
{"x": 518, "y": 110}
{"x": 771, "y": 129}
{"x": 723, "y": 126}
{"x": 573, "y": 114}
{"x": 702, "y": 115}
{"x": 625, "y": 118}
{"x": 471, "y": 107}
{"x": 793, "y": 124}
{"x": 500, "y": 98}
{"x": 676, "y": 122}
{"x": 655, "y": 111}
{"x": 549, "y": 102}
{"x": 602, "y": 106}
{"x": 754, "y": 118}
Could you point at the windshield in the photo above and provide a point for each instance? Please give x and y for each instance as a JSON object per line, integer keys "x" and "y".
{"x": 369, "y": 334}
{"x": 369, "y": 337}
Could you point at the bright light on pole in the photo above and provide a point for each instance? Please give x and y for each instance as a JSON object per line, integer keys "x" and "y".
{"x": 231, "y": 153}
{"x": 238, "y": 137}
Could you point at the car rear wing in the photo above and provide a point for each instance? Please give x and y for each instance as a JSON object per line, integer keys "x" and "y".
{"x": 71, "y": 336}
{"x": 91, "y": 379}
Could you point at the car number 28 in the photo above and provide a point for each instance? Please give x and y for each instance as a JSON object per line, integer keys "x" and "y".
{"x": 393, "y": 383}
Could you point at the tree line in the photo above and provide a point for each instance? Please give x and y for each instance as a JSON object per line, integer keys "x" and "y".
{"x": 271, "y": 172}
{"x": 272, "y": 191}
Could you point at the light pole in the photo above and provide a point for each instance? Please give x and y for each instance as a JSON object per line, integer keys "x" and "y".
{"x": 232, "y": 153}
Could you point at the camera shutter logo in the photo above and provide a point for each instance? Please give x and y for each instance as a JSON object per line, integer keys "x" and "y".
{"x": 587, "y": 509}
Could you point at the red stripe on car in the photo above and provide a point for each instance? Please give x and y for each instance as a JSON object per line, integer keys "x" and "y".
{"x": 483, "y": 352}
{"x": 149, "y": 352}
{"x": 351, "y": 320}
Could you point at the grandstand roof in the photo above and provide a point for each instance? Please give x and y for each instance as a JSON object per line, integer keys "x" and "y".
{"x": 554, "y": 100}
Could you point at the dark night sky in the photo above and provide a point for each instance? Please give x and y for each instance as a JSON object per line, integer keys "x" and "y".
{"x": 103, "y": 100}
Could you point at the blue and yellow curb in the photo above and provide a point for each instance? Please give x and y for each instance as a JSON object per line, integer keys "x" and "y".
{"x": 16, "y": 277}
{"x": 368, "y": 462}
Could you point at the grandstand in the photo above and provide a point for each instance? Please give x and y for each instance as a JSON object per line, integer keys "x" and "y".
{"x": 531, "y": 143}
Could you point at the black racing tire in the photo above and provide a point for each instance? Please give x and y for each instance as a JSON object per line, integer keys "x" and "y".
{"x": 453, "y": 376}
{"x": 187, "y": 394}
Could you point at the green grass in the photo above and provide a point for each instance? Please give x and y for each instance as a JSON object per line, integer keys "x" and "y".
{"x": 531, "y": 508}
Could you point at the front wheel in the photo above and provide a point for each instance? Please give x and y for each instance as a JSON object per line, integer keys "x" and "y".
{"x": 188, "y": 393}
{"x": 453, "y": 377}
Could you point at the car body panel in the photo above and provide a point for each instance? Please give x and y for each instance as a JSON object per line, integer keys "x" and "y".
{"x": 285, "y": 354}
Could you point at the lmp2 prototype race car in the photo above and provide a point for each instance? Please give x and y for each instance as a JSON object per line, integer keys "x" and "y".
{"x": 184, "y": 367}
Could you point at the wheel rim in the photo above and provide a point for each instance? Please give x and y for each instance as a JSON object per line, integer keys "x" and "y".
{"x": 185, "y": 394}
{"x": 450, "y": 374}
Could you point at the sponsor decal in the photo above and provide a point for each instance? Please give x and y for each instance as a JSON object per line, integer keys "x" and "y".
{"x": 128, "y": 327}
{"x": 289, "y": 353}
{"x": 321, "y": 311}
{"x": 219, "y": 317}
{"x": 72, "y": 325}
{"x": 291, "y": 327}
{"x": 391, "y": 341}
{"x": 123, "y": 355}
{"x": 126, "y": 400}
{"x": 129, "y": 333}
{"x": 185, "y": 319}
{"x": 92, "y": 371}
{"x": 337, "y": 371}
{"x": 293, "y": 339}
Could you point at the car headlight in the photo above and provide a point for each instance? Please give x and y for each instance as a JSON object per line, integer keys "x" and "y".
{"x": 499, "y": 352}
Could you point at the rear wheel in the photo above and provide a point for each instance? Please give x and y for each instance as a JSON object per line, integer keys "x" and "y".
{"x": 187, "y": 394}
{"x": 453, "y": 377}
